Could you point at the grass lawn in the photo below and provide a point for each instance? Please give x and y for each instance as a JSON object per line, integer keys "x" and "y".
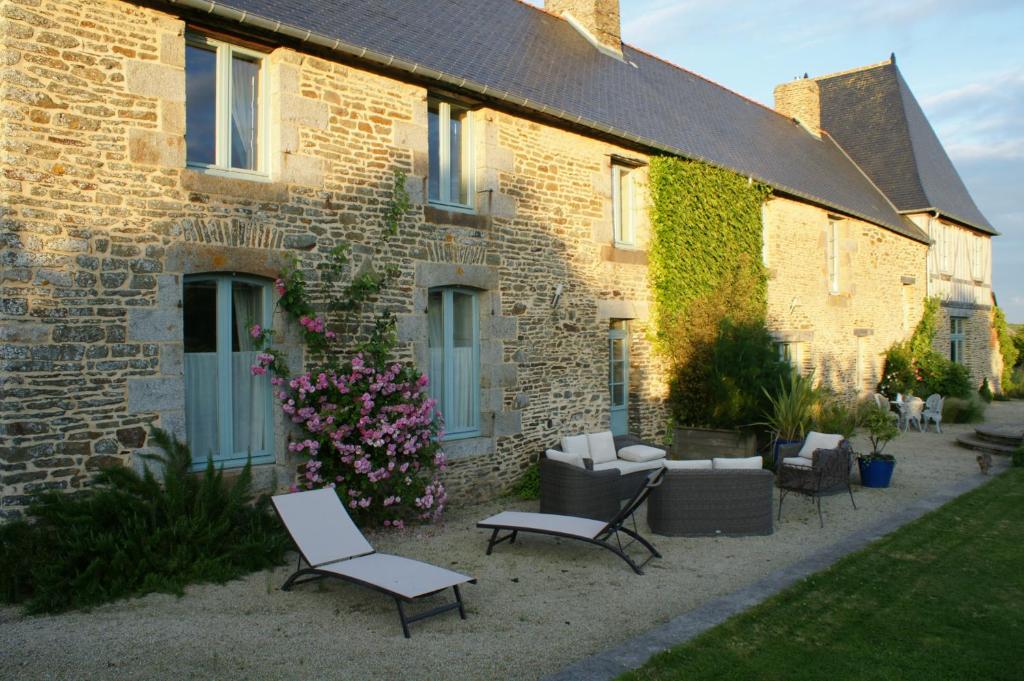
{"x": 942, "y": 598}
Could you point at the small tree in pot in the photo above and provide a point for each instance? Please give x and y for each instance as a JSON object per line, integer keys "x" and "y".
{"x": 876, "y": 468}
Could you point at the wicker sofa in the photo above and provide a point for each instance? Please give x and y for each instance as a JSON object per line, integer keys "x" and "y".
{"x": 569, "y": 490}
{"x": 712, "y": 502}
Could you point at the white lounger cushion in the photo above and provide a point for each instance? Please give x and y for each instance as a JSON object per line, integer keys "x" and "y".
{"x": 546, "y": 522}
{"x": 641, "y": 453}
{"x": 403, "y": 576}
{"x": 692, "y": 465}
{"x": 602, "y": 447}
{"x": 576, "y": 444}
{"x": 798, "y": 461}
{"x": 730, "y": 464}
{"x": 819, "y": 441}
{"x": 627, "y": 467}
{"x": 320, "y": 526}
{"x": 562, "y": 457}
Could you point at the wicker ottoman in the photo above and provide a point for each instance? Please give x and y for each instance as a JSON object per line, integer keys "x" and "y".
{"x": 710, "y": 502}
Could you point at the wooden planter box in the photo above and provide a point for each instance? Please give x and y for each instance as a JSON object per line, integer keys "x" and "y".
{"x": 708, "y": 443}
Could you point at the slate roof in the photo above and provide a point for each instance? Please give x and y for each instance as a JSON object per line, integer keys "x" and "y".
{"x": 523, "y": 56}
{"x": 874, "y": 116}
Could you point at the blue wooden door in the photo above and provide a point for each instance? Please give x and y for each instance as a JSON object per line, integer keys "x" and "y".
{"x": 618, "y": 376}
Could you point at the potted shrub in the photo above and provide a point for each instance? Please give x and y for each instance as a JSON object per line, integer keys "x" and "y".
{"x": 876, "y": 468}
{"x": 791, "y": 412}
{"x": 718, "y": 393}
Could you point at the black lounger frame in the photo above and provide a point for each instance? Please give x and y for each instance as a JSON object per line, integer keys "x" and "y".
{"x": 602, "y": 538}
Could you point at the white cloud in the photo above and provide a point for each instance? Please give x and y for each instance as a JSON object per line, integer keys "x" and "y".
{"x": 1005, "y": 150}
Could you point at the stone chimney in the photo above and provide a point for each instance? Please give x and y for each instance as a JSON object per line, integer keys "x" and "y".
{"x": 597, "y": 20}
{"x": 800, "y": 99}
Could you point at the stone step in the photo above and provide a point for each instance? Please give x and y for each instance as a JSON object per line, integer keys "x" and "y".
{"x": 1012, "y": 436}
{"x": 978, "y": 444}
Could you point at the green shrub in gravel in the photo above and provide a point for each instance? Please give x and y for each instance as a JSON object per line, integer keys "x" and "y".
{"x": 528, "y": 486}
{"x": 956, "y": 410}
{"x": 1018, "y": 457}
{"x": 129, "y": 535}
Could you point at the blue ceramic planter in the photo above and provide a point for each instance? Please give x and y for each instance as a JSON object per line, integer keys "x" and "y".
{"x": 775, "y": 450}
{"x": 875, "y": 473}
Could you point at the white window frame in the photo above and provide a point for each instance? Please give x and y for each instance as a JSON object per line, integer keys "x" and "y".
{"x": 832, "y": 253}
{"x": 791, "y": 352}
{"x": 227, "y": 457}
{"x": 623, "y": 224}
{"x": 957, "y": 339}
{"x": 444, "y": 184}
{"x": 448, "y": 316}
{"x": 222, "y": 137}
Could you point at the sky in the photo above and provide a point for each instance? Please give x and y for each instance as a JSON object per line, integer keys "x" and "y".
{"x": 963, "y": 60}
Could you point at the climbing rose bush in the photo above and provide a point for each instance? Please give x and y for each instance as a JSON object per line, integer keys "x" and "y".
{"x": 371, "y": 434}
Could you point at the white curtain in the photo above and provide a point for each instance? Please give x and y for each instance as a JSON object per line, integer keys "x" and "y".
{"x": 249, "y": 393}
{"x": 244, "y": 96}
{"x": 459, "y": 414}
{"x": 201, "y": 404}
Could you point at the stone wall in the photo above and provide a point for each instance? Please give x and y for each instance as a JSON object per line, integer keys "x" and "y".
{"x": 102, "y": 220}
{"x": 842, "y": 336}
{"x": 981, "y": 343}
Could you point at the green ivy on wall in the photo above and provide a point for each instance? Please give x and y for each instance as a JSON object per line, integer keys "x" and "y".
{"x": 707, "y": 232}
{"x": 710, "y": 292}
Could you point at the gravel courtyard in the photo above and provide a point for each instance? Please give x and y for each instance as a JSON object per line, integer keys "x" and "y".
{"x": 540, "y": 604}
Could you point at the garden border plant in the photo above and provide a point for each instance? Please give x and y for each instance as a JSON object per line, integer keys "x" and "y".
{"x": 914, "y": 367}
{"x": 367, "y": 426}
{"x": 130, "y": 534}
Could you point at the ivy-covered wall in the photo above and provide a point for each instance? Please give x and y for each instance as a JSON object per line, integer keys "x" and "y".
{"x": 706, "y": 238}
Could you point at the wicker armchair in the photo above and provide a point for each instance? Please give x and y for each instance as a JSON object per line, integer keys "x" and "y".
{"x": 568, "y": 490}
{"x": 829, "y": 474}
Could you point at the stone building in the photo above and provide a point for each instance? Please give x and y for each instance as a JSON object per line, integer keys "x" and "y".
{"x": 872, "y": 113}
{"x": 164, "y": 160}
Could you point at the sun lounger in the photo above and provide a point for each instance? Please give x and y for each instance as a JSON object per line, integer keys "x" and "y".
{"x": 332, "y": 546}
{"x": 598, "y": 532}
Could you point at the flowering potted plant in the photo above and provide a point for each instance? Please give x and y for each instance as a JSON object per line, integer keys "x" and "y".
{"x": 876, "y": 468}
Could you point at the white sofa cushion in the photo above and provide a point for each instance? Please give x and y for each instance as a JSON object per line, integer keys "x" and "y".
{"x": 627, "y": 467}
{"x": 818, "y": 441}
{"x": 576, "y": 444}
{"x": 798, "y": 461}
{"x": 641, "y": 453}
{"x": 691, "y": 465}
{"x": 727, "y": 464}
{"x": 571, "y": 459}
{"x": 602, "y": 446}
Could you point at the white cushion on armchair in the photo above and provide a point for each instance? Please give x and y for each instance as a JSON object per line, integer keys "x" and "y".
{"x": 576, "y": 444}
{"x": 641, "y": 453}
{"x": 562, "y": 457}
{"x": 602, "y": 447}
{"x": 816, "y": 440}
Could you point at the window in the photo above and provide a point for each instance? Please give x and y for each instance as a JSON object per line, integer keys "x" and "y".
{"x": 977, "y": 258}
{"x": 450, "y": 171}
{"x": 454, "y": 345}
{"x": 623, "y": 202}
{"x": 943, "y": 238}
{"x": 956, "y": 339}
{"x": 224, "y": 119}
{"x": 789, "y": 352}
{"x": 833, "y": 256}
{"x": 227, "y": 408}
